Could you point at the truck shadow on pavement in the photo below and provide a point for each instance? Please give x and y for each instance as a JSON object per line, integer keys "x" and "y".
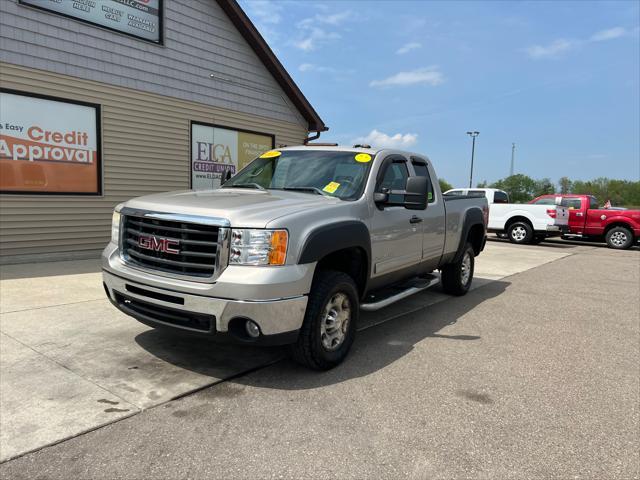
{"x": 377, "y": 346}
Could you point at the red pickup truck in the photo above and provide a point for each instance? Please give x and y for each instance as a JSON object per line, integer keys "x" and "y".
{"x": 619, "y": 227}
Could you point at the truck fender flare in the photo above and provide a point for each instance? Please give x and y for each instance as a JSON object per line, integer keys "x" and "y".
{"x": 472, "y": 217}
{"x": 333, "y": 237}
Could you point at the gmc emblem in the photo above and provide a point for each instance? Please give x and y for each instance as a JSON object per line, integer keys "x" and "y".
{"x": 149, "y": 242}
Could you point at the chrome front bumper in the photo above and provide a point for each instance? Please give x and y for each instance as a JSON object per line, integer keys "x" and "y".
{"x": 274, "y": 317}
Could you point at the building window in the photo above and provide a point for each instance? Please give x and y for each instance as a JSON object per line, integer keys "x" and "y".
{"x": 49, "y": 145}
{"x": 217, "y": 152}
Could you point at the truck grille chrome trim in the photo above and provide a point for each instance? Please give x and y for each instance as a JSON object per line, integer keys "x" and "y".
{"x": 189, "y": 246}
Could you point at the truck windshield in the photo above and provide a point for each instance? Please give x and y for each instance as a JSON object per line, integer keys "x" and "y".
{"x": 336, "y": 174}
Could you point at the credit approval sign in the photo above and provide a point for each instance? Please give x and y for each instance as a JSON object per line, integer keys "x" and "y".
{"x": 217, "y": 150}
{"x": 48, "y": 146}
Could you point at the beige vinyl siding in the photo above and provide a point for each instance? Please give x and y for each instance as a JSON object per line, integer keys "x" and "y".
{"x": 199, "y": 40}
{"x": 145, "y": 149}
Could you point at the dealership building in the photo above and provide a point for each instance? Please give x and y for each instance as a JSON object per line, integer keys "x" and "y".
{"x": 105, "y": 100}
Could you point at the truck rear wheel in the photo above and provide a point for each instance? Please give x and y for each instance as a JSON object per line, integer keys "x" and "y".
{"x": 329, "y": 325}
{"x": 520, "y": 232}
{"x": 457, "y": 277}
{"x": 619, "y": 238}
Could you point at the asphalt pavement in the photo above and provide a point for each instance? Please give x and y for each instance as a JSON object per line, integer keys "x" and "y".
{"x": 532, "y": 375}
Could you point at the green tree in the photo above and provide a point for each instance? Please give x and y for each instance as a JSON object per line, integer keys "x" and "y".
{"x": 543, "y": 187}
{"x": 520, "y": 188}
{"x": 566, "y": 185}
{"x": 444, "y": 185}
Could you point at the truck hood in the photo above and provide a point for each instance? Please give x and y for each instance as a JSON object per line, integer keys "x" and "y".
{"x": 242, "y": 207}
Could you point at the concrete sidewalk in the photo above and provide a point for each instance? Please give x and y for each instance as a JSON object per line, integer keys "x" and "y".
{"x": 71, "y": 363}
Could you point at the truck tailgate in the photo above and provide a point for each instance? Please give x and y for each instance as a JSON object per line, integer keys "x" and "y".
{"x": 562, "y": 216}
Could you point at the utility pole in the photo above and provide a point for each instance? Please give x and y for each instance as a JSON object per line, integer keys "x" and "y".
{"x": 513, "y": 156}
{"x": 473, "y": 136}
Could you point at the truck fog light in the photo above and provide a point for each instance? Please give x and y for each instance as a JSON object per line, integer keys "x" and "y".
{"x": 252, "y": 328}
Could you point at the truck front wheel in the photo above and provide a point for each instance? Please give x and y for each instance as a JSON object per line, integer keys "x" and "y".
{"x": 329, "y": 325}
{"x": 619, "y": 238}
{"x": 456, "y": 277}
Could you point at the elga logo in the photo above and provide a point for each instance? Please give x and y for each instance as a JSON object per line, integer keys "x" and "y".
{"x": 149, "y": 242}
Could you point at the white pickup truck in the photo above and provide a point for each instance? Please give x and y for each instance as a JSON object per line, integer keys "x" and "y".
{"x": 520, "y": 222}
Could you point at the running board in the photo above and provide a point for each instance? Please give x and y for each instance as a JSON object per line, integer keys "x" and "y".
{"x": 386, "y": 301}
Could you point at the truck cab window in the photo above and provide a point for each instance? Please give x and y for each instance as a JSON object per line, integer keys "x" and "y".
{"x": 395, "y": 178}
{"x": 477, "y": 192}
{"x": 500, "y": 197}
{"x": 571, "y": 203}
{"x": 593, "y": 203}
{"x": 422, "y": 171}
{"x": 545, "y": 201}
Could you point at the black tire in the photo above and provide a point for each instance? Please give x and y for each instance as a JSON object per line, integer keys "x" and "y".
{"x": 537, "y": 239}
{"x": 310, "y": 350}
{"x": 452, "y": 276}
{"x": 619, "y": 238}
{"x": 520, "y": 233}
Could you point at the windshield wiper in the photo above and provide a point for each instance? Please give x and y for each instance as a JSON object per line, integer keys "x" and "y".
{"x": 306, "y": 189}
{"x": 245, "y": 185}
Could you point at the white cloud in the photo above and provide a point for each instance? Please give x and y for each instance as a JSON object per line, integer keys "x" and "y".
{"x": 608, "y": 34}
{"x": 265, "y": 11}
{"x": 334, "y": 19}
{"x": 314, "y": 38}
{"x": 319, "y": 29}
{"x": 561, "y": 45}
{"x": 311, "y": 67}
{"x": 422, "y": 76}
{"x": 554, "y": 49}
{"x": 379, "y": 139}
{"x": 408, "y": 47}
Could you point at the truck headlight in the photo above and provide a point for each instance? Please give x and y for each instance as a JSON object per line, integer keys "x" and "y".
{"x": 258, "y": 247}
{"x": 115, "y": 227}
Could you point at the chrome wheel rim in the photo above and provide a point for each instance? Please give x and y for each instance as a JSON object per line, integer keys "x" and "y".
{"x": 618, "y": 238}
{"x": 335, "y": 321}
{"x": 519, "y": 233}
{"x": 465, "y": 270}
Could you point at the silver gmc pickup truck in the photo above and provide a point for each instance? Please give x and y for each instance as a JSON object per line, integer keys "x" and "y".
{"x": 292, "y": 248}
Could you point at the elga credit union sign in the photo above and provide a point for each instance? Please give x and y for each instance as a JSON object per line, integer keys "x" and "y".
{"x": 48, "y": 146}
{"x": 140, "y": 18}
{"x": 218, "y": 150}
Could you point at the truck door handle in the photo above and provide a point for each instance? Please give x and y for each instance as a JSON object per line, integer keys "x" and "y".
{"x": 578, "y": 214}
{"x": 415, "y": 219}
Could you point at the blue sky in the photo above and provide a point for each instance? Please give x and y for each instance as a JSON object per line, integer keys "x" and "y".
{"x": 560, "y": 79}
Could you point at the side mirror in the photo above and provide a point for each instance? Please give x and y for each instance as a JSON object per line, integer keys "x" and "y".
{"x": 415, "y": 196}
{"x": 381, "y": 197}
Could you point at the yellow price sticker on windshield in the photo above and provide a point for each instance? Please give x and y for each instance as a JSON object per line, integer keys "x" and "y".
{"x": 331, "y": 187}
{"x": 363, "y": 158}
{"x": 271, "y": 154}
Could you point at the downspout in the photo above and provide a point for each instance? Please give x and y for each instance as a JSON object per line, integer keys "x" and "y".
{"x": 314, "y": 137}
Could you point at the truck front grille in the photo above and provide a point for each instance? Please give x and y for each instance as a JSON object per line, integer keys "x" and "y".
{"x": 170, "y": 246}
